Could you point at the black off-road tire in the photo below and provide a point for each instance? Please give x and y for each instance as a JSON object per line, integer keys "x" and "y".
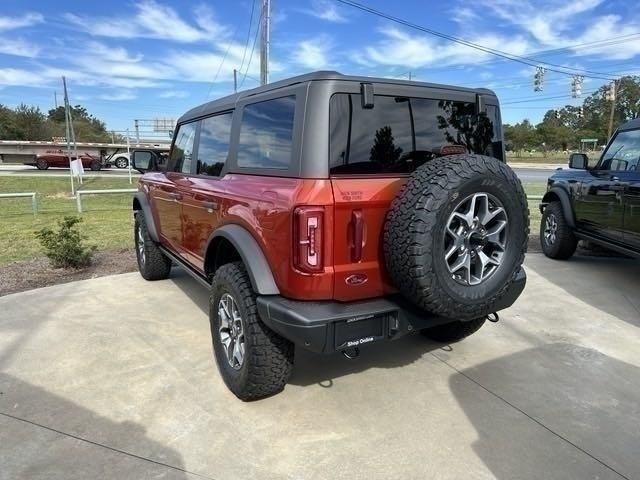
{"x": 565, "y": 243}
{"x": 95, "y": 166}
{"x": 414, "y": 234}
{"x": 154, "y": 265}
{"x": 454, "y": 331}
{"x": 42, "y": 164}
{"x": 268, "y": 357}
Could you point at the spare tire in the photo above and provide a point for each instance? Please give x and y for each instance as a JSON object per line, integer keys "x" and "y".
{"x": 456, "y": 235}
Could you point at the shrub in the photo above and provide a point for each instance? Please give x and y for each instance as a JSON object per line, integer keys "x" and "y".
{"x": 65, "y": 247}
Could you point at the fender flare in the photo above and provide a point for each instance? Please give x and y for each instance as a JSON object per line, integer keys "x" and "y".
{"x": 252, "y": 256}
{"x": 141, "y": 199}
{"x": 565, "y": 202}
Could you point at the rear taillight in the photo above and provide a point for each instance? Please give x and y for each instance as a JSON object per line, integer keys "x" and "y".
{"x": 307, "y": 239}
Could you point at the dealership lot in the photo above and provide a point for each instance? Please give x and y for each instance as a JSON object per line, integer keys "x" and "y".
{"x": 114, "y": 377}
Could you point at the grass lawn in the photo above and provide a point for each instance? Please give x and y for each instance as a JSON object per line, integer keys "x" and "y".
{"x": 107, "y": 219}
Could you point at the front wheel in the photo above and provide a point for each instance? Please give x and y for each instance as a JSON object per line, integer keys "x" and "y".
{"x": 556, "y": 237}
{"x": 152, "y": 263}
{"x": 95, "y": 166}
{"x": 122, "y": 162}
{"x": 41, "y": 164}
{"x": 253, "y": 360}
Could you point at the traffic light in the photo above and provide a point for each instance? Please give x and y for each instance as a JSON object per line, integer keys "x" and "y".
{"x": 538, "y": 79}
{"x": 557, "y": 113}
{"x": 581, "y": 112}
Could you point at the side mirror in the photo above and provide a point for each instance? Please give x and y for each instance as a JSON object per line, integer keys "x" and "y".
{"x": 142, "y": 161}
{"x": 578, "y": 161}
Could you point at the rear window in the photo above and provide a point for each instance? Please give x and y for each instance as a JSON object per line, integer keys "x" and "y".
{"x": 266, "y": 134}
{"x": 401, "y": 133}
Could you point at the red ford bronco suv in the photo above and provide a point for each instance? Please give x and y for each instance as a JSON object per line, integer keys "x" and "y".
{"x": 327, "y": 212}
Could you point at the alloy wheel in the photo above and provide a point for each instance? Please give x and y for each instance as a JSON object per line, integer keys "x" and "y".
{"x": 550, "y": 229}
{"x": 231, "y": 331}
{"x": 476, "y": 238}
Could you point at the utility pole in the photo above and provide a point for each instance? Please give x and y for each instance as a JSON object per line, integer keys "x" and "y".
{"x": 235, "y": 80}
{"x": 68, "y": 133}
{"x": 55, "y": 99}
{"x": 137, "y": 127}
{"x": 264, "y": 42}
{"x": 612, "y": 94}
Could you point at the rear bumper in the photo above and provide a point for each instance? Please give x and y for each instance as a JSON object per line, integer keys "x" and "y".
{"x": 329, "y": 326}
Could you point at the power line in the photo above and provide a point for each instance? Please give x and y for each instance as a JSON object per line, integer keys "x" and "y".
{"x": 540, "y": 99}
{"x": 246, "y": 44}
{"x": 498, "y": 53}
{"x": 255, "y": 39}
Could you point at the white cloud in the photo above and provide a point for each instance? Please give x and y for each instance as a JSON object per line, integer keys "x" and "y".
{"x": 26, "y": 20}
{"x": 119, "y": 96}
{"x": 325, "y": 10}
{"x": 20, "y": 78}
{"x": 18, "y": 48}
{"x": 313, "y": 54}
{"x": 400, "y": 48}
{"x": 153, "y": 20}
{"x": 173, "y": 94}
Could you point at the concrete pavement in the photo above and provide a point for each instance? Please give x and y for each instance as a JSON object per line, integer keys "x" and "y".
{"x": 114, "y": 378}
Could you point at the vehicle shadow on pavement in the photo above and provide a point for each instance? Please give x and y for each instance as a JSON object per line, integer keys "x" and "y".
{"x": 580, "y": 394}
{"x": 313, "y": 368}
{"x": 610, "y": 285}
{"x": 43, "y": 435}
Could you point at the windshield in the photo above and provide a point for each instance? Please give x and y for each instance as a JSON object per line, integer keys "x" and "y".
{"x": 623, "y": 153}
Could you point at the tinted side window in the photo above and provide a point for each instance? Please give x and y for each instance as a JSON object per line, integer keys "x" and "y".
{"x": 266, "y": 134}
{"x": 182, "y": 152}
{"x": 623, "y": 153}
{"x": 399, "y": 134}
{"x": 213, "y": 146}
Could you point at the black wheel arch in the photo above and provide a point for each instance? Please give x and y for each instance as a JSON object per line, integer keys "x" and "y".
{"x": 559, "y": 194}
{"x": 244, "y": 248}
{"x": 141, "y": 204}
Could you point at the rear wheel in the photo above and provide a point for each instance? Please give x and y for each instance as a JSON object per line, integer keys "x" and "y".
{"x": 556, "y": 237}
{"x": 454, "y": 331}
{"x": 95, "y": 166}
{"x": 152, "y": 263}
{"x": 42, "y": 164}
{"x": 253, "y": 360}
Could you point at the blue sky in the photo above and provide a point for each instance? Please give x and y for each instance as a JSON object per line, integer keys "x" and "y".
{"x": 128, "y": 59}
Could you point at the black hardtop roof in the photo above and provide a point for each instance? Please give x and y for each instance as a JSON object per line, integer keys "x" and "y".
{"x": 229, "y": 101}
{"x": 630, "y": 125}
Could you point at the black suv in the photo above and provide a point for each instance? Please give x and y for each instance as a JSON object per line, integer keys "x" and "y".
{"x": 599, "y": 203}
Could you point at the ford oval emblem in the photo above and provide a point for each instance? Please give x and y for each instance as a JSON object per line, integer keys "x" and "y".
{"x": 356, "y": 279}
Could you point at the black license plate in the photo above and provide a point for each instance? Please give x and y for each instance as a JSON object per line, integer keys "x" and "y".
{"x": 359, "y": 331}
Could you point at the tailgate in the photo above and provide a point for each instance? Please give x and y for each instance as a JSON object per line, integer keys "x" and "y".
{"x": 361, "y": 206}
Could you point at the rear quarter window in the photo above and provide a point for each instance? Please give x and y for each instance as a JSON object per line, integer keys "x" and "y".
{"x": 266, "y": 134}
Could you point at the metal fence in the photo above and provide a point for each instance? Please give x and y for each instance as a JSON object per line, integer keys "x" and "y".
{"x": 79, "y": 194}
{"x": 34, "y": 199}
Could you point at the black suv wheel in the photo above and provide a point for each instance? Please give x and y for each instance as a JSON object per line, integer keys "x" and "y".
{"x": 152, "y": 263}
{"x": 556, "y": 237}
{"x": 253, "y": 361}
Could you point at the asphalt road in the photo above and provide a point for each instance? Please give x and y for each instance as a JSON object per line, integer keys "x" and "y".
{"x": 533, "y": 175}
{"x": 114, "y": 378}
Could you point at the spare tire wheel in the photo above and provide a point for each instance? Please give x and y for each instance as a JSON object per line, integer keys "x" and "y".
{"x": 456, "y": 235}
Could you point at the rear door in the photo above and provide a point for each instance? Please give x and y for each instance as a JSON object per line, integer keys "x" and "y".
{"x": 202, "y": 199}
{"x": 372, "y": 153}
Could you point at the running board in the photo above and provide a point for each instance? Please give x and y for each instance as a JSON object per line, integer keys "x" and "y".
{"x": 190, "y": 270}
{"x": 608, "y": 244}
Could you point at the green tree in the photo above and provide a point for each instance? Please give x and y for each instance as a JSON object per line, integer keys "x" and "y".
{"x": 521, "y": 136}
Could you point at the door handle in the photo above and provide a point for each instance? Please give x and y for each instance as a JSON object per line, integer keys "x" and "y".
{"x": 357, "y": 223}
{"x": 210, "y": 205}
